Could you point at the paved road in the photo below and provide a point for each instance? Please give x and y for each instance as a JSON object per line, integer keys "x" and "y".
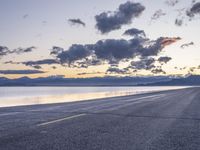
{"x": 167, "y": 120}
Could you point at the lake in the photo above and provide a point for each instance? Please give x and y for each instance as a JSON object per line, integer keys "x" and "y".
{"x": 17, "y": 96}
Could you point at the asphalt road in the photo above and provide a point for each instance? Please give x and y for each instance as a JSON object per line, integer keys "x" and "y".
{"x": 167, "y": 120}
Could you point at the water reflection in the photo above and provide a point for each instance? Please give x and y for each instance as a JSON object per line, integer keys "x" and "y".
{"x": 15, "y": 96}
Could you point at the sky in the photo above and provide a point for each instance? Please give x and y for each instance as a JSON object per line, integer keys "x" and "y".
{"x": 79, "y": 39}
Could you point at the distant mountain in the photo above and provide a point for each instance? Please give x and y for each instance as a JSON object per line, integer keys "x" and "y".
{"x": 190, "y": 80}
{"x": 96, "y": 81}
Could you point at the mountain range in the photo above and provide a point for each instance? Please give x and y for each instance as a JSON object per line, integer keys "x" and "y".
{"x": 103, "y": 81}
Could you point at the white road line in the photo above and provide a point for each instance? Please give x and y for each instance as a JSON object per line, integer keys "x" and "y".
{"x": 11, "y": 113}
{"x": 59, "y": 120}
{"x": 115, "y": 108}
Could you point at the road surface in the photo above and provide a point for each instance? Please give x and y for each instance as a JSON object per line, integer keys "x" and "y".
{"x": 168, "y": 120}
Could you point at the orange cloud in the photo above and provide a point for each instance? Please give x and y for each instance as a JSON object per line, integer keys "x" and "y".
{"x": 168, "y": 41}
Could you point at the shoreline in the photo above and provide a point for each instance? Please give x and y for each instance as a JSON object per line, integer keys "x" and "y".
{"x": 97, "y": 99}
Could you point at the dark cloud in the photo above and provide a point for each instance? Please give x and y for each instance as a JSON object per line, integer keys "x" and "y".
{"x": 108, "y": 21}
{"x": 85, "y": 63}
{"x": 177, "y": 68}
{"x": 192, "y": 69}
{"x": 41, "y": 62}
{"x": 74, "y": 53}
{"x": 21, "y": 72}
{"x": 194, "y": 10}
{"x": 164, "y": 59}
{"x": 89, "y": 73}
{"x": 114, "y": 51}
{"x": 158, "y": 71}
{"x": 76, "y": 22}
{"x": 37, "y": 67}
{"x": 23, "y": 50}
{"x": 187, "y": 44}
{"x": 179, "y": 22}
{"x": 135, "y": 32}
{"x": 37, "y": 64}
{"x": 144, "y": 63}
{"x": 5, "y": 50}
{"x": 56, "y": 50}
{"x": 11, "y": 62}
{"x": 117, "y": 71}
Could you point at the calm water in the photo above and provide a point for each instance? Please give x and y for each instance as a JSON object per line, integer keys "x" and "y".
{"x": 15, "y": 96}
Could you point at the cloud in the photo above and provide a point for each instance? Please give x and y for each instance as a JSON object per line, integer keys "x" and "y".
{"x": 74, "y": 53}
{"x": 114, "y": 51}
{"x": 87, "y": 62}
{"x": 21, "y": 72}
{"x": 117, "y": 71}
{"x": 172, "y": 2}
{"x": 37, "y": 64}
{"x": 108, "y": 21}
{"x": 41, "y": 62}
{"x": 187, "y": 44}
{"x": 89, "y": 73}
{"x": 194, "y": 10}
{"x": 76, "y": 22}
{"x": 158, "y": 71}
{"x": 5, "y": 50}
{"x": 177, "y": 68}
{"x": 165, "y": 41}
{"x": 9, "y": 62}
{"x": 23, "y": 50}
{"x": 144, "y": 63}
{"x": 56, "y": 50}
{"x": 179, "y": 22}
{"x": 192, "y": 69}
{"x": 135, "y": 32}
{"x": 164, "y": 59}
{"x": 158, "y": 45}
{"x": 157, "y": 14}
{"x": 37, "y": 67}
